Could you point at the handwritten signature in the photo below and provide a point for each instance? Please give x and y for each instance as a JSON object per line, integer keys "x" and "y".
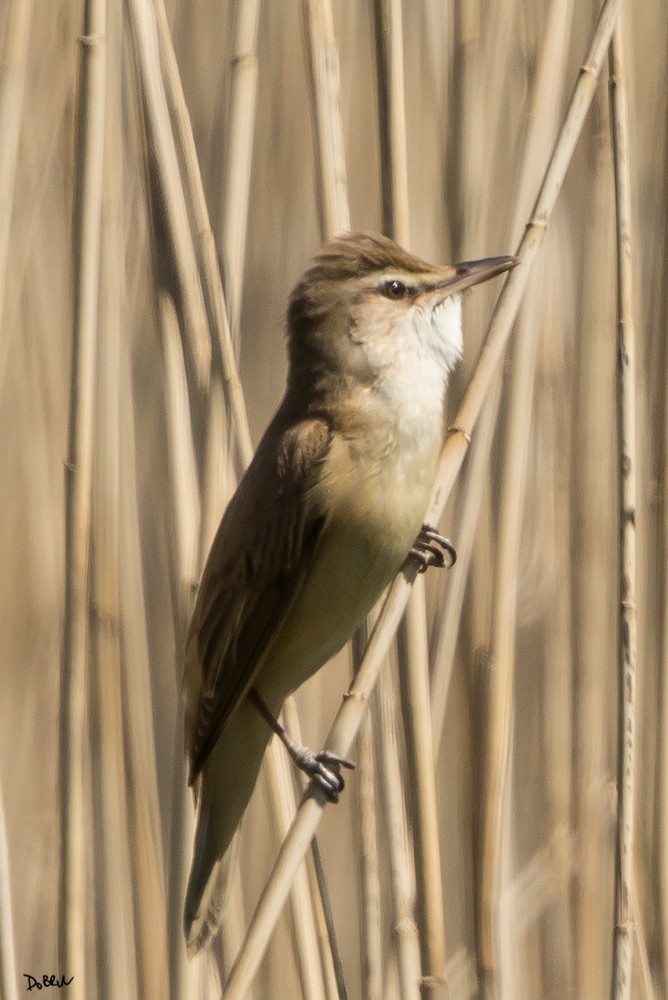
{"x": 46, "y": 981}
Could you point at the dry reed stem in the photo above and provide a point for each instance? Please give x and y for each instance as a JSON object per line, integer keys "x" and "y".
{"x": 243, "y": 94}
{"x": 414, "y": 682}
{"x": 405, "y": 936}
{"x": 196, "y": 340}
{"x": 146, "y": 835}
{"x": 595, "y": 591}
{"x": 205, "y": 248}
{"x": 8, "y": 970}
{"x": 349, "y": 716}
{"x": 12, "y": 81}
{"x": 628, "y": 465}
{"x": 115, "y": 914}
{"x": 370, "y": 895}
{"x": 501, "y": 677}
{"x": 186, "y": 514}
{"x": 392, "y": 119}
{"x": 366, "y": 830}
{"x": 183, "y": 473}
{"x": 325, "y": 86}
{"x": 79, "y": 472}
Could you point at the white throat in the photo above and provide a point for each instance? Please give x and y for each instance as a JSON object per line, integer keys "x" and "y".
{"x": 425, "y": 348}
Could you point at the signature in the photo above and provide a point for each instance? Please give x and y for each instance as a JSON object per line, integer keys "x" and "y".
{"x": 46, "y": 981}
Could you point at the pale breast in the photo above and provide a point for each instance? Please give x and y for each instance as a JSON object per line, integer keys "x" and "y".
{"x": 376, "y": 490}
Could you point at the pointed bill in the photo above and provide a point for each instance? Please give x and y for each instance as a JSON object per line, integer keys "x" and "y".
{"x": 469, "y": 273}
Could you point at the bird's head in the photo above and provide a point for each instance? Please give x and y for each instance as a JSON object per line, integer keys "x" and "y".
{"x": 365, "y": 306}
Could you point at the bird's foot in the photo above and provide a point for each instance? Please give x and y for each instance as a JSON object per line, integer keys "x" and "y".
{"x": 430, "y": 549}
{"x": 323, "y": 768}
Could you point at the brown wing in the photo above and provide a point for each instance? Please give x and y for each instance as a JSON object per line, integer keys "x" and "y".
{"x": 257, "y": 563}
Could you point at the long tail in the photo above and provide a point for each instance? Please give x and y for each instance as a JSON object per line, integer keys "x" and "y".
{"x": 228, "y": 780}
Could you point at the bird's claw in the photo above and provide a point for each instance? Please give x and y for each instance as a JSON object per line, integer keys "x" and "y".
{"x": 430, "y": 549}
{"x": 323, "y": 769}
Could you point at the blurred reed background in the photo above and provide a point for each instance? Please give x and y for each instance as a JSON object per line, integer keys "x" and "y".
{"x": 494, "y": 870}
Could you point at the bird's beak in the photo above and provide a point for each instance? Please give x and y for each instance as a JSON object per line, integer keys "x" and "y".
{"x": 470, "y": 272}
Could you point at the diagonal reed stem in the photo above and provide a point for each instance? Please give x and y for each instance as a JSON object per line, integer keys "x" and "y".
{"x": 351, "y": 712}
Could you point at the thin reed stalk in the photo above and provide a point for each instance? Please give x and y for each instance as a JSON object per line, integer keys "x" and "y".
{"x": 368, "y": 847}
{"x": 205, "y": 247}
{"x": 392, "y": 119}
{"x": 8, "y": 970}
{"x": 349, "y": 716}
{"x": 186, "y": 514}
{"x": 501, "y": 677}
{"x": 414, "y": 682}
{"x": 595, "y": 588}
{"x": 243, "y": 98}
{"x": 371, "y": 943}
{"x": 162, "y": 148}
{"x": 12, "y": 85}
{"x": 146, "y": 834}
{"x": 325, "y": 86}
{"x": 115, "y": 914}
{"x": 405, "y": 936}
{"x": 78, "y": 487}
{"x": 628, "y": 465}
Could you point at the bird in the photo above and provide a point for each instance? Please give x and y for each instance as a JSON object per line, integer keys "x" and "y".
{"x": 326, "y": 514}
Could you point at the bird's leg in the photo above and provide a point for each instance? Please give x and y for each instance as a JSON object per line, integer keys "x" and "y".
{"x": 430, "y": 549}
{"x": 322, "y": 767}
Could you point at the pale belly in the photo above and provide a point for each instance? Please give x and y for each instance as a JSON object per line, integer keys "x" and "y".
{"x": 362, "y": 548}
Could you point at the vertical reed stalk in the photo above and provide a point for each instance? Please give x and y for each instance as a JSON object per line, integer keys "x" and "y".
{"x": 392, "y": 119}
{"x": 324, "y": 78}
{"x": 414, "y": 677}
{"x": 111, "y": 845}
{"x": 205, "y": 247}
{"x": 628, "y": 466}
{"x": 501, "y": 678}
{"x": 8, "y": 970}
{"x": 78, "y": 486}
{"x": 12, "y": 81}
{"x": 195, "y": 333}
{"x": 146, "y": 833}
{"x": 185, "y": 498}
{"x": 371, "y": 943}
{"x": 367, "y": 826}
{"x": 243, "y": 94}
{"x": 402, "y": 876}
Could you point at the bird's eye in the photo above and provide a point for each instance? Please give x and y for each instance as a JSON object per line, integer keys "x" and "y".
{"x": 394, "y": 289}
